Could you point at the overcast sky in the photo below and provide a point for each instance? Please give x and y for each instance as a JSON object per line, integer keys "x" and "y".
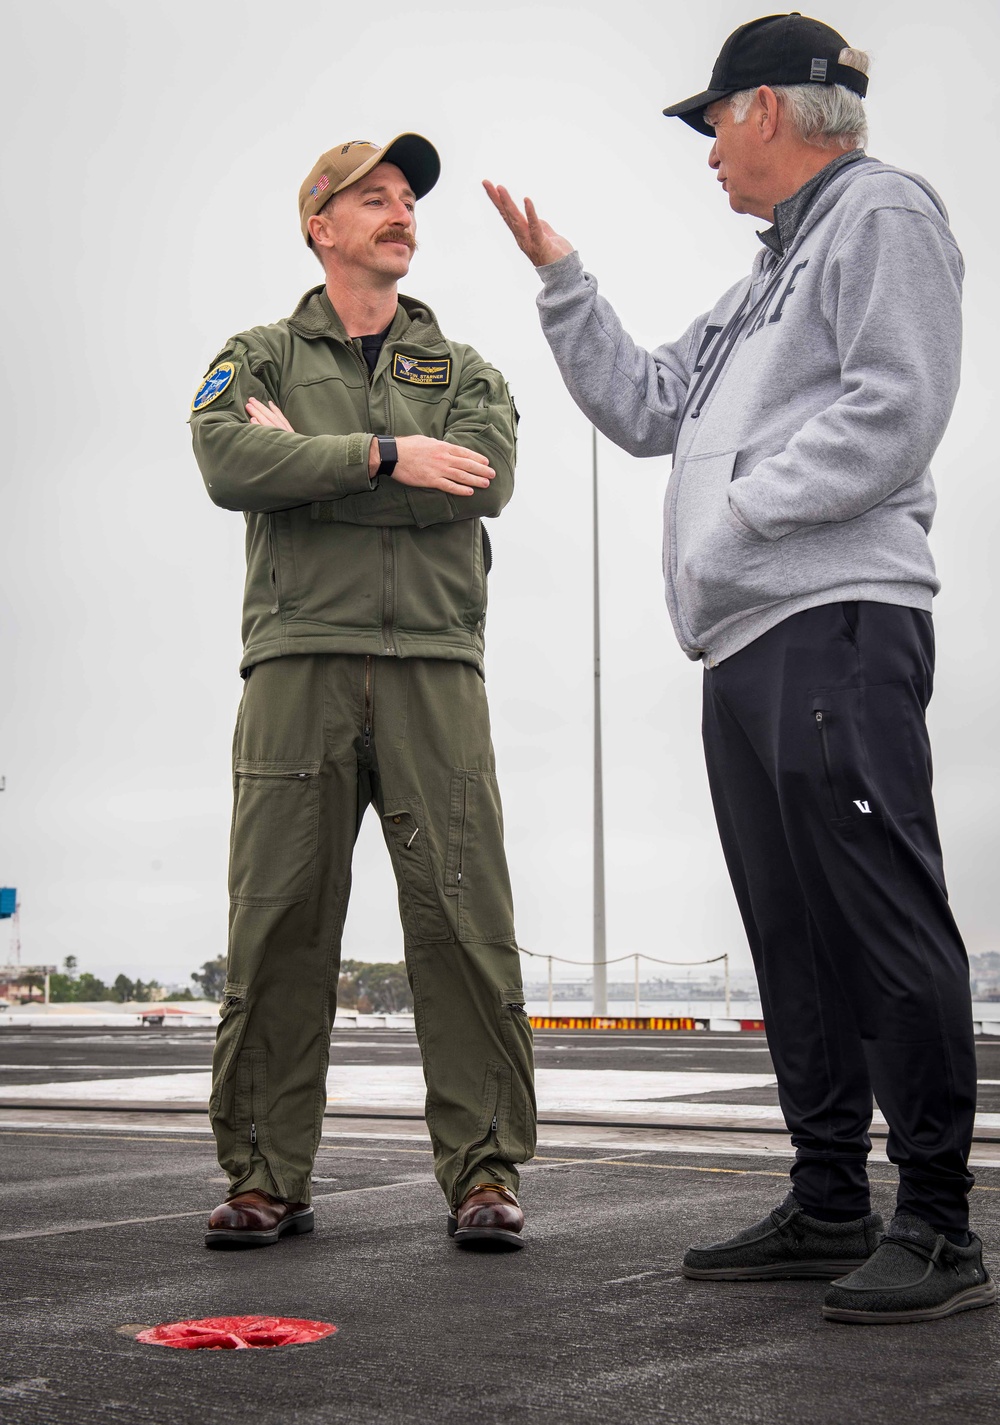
{"x": 152, "y": 157}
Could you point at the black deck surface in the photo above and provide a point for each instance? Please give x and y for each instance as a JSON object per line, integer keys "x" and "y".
{"x": 102, "y": 1231}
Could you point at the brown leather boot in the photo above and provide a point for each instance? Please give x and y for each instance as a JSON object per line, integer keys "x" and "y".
{"x": 488, "y": 1219}
{"x": 256, "y": 1219}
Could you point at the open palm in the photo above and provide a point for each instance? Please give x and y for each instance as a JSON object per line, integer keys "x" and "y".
{"x": 536, "y": 239}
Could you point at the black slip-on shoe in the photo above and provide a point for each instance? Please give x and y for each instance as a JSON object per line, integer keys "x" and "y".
{"x": 914, "y": 1274}
{"x": 788, "y": 1243}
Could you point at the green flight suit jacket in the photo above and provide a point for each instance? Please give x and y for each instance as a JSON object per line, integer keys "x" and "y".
{"x": 333, "y": 564}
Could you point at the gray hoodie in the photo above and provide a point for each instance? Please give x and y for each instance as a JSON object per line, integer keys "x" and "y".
{"x": 801, "y": 411}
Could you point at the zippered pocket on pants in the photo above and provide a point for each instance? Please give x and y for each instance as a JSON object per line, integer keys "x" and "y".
{"x": 820, "y": 717}
{"x": 275, "y": 836}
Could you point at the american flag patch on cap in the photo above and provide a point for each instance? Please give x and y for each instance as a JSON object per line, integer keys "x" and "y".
{"x": 320, "y": 186}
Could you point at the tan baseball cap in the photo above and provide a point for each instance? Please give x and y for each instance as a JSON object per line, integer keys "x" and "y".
{"x": 346, "y": 163}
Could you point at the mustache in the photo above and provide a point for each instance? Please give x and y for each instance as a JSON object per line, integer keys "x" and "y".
{"x": 398, "y": 235}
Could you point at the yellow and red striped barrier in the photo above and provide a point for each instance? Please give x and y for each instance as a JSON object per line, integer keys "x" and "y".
{"x": 575, "y": 1021}
{"x": 548, "y": 1021}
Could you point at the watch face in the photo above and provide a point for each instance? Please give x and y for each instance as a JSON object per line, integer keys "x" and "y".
{"x": 387, "y": 455}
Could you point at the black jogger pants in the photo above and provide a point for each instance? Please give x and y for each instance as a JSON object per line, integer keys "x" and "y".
{"x": 820, "y": 769}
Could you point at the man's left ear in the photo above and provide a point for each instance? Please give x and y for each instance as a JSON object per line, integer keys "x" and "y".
{"x": 767, "y": 112}
{"x": 319, "y": 230}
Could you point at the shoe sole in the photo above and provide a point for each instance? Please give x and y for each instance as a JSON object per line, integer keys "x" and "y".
{"x": 484, "y": 1239}
{"x": 968, "y": 1300}
{"x": 778, "y": 1271}
{"x": 234, "y": 1237}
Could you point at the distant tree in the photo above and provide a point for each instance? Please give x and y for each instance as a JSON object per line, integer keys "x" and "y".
{"x": 123, "y": 989}
{"x": 211, "y": 977}
{"x": 32, "y": 982}
{"x": 90, "y": 988}
{"x": 185, "y": 993}
{"x": 71, "y": 987}
{"x": 62, "y": 989}
{"x": 347, "y": 988}
{"x": 148, "y": 992}
{"x": 380, "y": 988}
{"x": 388, "y": 988}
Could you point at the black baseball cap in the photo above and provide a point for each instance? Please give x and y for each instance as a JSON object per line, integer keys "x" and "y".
{"x": 779, "y": 49}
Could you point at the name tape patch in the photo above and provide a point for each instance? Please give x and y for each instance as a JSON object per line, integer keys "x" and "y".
{"x": 421, "y": 373}
{"x": 213, "y": 385}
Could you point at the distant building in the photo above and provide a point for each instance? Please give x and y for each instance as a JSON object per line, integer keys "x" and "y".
{"x": 25, "y": 984}
{"x": 984, "y": 970}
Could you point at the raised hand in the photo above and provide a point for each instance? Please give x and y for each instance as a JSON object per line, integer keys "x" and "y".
{"x": 534, "y": 237}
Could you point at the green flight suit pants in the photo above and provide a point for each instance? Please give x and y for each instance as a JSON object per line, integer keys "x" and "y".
{"x": 318, "y": 738}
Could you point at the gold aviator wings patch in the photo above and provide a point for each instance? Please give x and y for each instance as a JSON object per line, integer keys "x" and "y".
{"x": 421, "y": 373}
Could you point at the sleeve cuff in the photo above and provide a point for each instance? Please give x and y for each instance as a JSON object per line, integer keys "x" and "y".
{"x": 353, "y": 478}
{"x": 564, "y": 270}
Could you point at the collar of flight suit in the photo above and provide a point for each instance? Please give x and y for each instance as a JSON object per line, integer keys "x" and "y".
{"x": 414, "y": 322}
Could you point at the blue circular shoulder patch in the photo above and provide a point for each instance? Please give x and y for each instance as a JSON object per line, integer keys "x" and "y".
{"x": 213, "y": 385}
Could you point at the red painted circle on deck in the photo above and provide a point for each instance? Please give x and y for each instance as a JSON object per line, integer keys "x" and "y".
{"x": 236, "y": 1333}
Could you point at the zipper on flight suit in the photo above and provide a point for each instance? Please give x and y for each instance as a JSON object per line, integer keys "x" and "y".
{"x": 457, "y": 817}
{"x": 366, "y": 734}
{"x": 385, "y": 534}
{"x": 461, "y": 838}
{"x": 272, "y": 555}
{"x": 388, "y": 589}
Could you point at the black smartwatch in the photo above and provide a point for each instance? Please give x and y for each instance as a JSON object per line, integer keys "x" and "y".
{"x": 388, "y": 455}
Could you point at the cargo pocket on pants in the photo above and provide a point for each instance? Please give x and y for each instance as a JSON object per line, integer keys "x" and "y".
{"x": 275, "y": 833}
{"x": 405, "y": 829}
{"x": 867, "y": 761}
{"x": 476, "y": 863}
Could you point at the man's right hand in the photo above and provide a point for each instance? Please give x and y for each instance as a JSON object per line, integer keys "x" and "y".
{"x": 431, "y": 464}
{"x": 533, "y": 236}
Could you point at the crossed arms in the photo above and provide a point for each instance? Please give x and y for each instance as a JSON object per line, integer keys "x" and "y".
{"x": 254, "y": 461}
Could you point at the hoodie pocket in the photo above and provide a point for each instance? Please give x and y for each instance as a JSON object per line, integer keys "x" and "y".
{"x": 721, "y": 568}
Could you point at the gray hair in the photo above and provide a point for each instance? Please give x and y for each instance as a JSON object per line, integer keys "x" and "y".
{"x": 822, "y": 114}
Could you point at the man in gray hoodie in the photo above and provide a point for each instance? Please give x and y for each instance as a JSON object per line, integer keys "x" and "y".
{"x": 802, "y": 412}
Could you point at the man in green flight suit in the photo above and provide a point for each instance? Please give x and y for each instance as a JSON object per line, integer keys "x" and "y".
{"x": 364, "y": 449}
